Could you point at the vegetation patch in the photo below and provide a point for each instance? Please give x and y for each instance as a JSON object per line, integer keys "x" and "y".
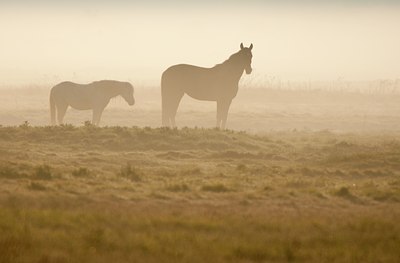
{"x": 383, "y": 196}
{"x": 11, "y": 172}
{"x": 178, "y": 188}
{"x": 191, "y": 171}
{"x": 35, "y": 186}
{"x": 43, "y": 172}
{"x": 195, "y": 206}
{"x": 131, "y": 173}
{"x": 217, "y": 188}
{"x": 253, "y": 254}
{"x": 81, "y": 172}
{"x": 345, "y": 193}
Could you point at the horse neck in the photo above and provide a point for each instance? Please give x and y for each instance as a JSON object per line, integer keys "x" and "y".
{"x": 234, "y": 69}
{"x": 112, "y": 91}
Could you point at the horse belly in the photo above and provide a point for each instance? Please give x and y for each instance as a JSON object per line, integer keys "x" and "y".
{"x": 211, "y": 92}
{"x": 78, "y": 106}
{"x": 203, "y": 89}
{"x": 79, "y": 102}
{"x": 201, "y": 94}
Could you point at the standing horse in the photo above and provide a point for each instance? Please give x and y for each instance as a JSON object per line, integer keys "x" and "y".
{"x": 94, "y": 96}
{"x": 219, "y": 83}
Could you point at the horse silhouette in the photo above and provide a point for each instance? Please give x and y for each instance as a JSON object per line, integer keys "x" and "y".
{"x": 94, "y": 96}
{"x": 219, "y": 83}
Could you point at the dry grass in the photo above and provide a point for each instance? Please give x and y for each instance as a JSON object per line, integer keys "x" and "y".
{"x": 87, "y": 194}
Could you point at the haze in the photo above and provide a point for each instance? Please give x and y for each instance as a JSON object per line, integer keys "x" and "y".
{"x": 288, "y": 151}
{"x": 44, "y": 43}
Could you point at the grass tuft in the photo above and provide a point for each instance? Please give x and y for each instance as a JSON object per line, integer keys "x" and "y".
{"x": 81, "y": 172}
{"x": 36, "y": 186}
{"x": 343, "y": 192}
{"x": 10, "y": 172}
{"x": 130, "y": 173}
{"x": 241, "y": 167}
{"x": 43, "y": 172}
{"x": 178, "y": 188}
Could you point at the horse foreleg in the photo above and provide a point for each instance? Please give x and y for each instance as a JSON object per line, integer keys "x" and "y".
{"x": 165, "y": 117}
{"x": 61, "y": 110}
{"x": 222, "y": 112}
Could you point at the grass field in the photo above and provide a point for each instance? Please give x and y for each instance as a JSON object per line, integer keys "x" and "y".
{"x": 119, "y": 194}
{"x": 255, "y": 110}
{"x": 307, "y": 170}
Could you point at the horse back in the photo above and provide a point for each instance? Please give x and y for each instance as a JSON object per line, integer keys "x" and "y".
{"x": 198, "y": 82}
{"x": 78, "y": 96}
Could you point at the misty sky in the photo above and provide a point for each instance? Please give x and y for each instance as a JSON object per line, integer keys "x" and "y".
{"x": 50, "y": 41}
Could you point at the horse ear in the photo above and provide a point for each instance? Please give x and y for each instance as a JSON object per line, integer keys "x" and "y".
{"x": 241, "y": 46}
{"x": 251, "y": 46}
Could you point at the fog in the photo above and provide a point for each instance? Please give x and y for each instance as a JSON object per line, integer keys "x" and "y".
{"x": 285, "y": 148}
{"x": 43, "y": 43}
{"x": 321, "y": 64}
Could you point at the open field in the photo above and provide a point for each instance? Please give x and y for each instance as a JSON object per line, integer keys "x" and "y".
{"x": 255, "y": 110}
{"x": 87, "y": 194}
{"x": 307, "y": 169}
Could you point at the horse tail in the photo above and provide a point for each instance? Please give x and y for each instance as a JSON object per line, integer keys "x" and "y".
{"x": 164, "y": 108}
{"x": 52, "y": 108}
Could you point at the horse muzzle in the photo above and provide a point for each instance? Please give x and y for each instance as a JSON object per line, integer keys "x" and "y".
{"x": 248, "y": 70}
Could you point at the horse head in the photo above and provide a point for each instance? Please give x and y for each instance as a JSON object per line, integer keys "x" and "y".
{"x": 245, "y": 57}
{"x": 127, "y": 93}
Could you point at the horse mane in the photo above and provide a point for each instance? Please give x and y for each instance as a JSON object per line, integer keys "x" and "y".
{"x": 232, "y": 58}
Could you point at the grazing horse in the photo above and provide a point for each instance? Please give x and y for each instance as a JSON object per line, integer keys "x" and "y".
{"x": 219, "y": 83}
{"x": 94, "y": 96}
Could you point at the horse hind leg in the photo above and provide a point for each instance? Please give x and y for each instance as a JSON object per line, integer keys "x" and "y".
{"x": 165, "y": 116}
{"x": 219, "y": 115}
{"x": 170, "y": 106}
{"x": 174, "y": 108}
{"x": 97, "y": 116}
{"x": 52, "y": 110}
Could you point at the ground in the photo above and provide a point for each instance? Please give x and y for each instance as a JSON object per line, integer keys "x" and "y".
{"x": 89, "y": 194}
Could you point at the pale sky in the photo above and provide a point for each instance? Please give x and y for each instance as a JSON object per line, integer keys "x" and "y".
{"x": 43, "y": 42}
